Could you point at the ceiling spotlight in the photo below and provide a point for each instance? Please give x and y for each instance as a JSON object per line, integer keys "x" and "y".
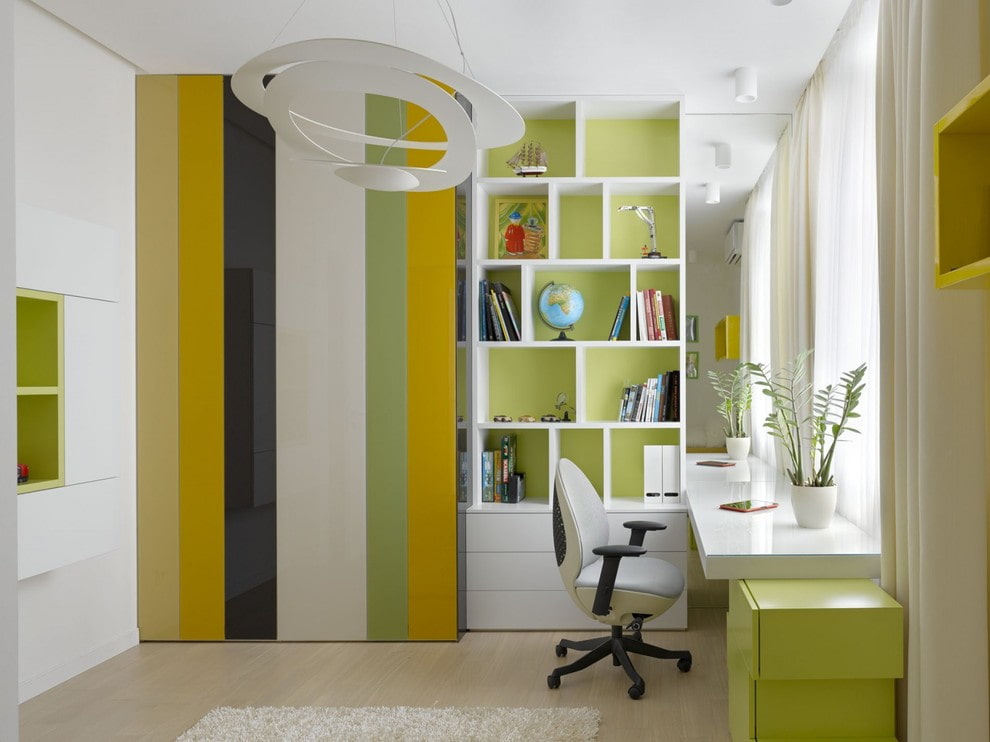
{"x": 723, "y": 156}
{"x": 713, "y": 193}
{"x": 746, "y": 85}
{"x": 780, "y": 2}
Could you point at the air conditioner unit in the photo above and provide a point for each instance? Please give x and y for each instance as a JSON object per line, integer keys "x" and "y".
{"x": 733, "y": 243}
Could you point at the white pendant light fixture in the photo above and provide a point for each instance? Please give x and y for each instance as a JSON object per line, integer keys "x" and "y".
{"x": 723, "y": 156}
{"x": 309, "y": 75}
{"x": 713, "y": 194}
{"x": 746, "y": 79}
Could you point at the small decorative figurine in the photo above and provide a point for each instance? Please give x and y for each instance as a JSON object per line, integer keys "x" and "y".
{"x": 527, "y": 419}
{"x": 531, "y": 159}
{"x": 502, "y": 419}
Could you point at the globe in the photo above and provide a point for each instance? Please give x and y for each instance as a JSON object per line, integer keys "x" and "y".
{"x": 560, "y": 307}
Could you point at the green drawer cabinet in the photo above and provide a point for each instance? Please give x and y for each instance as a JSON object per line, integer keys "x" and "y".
{"x": 812, "y": 660}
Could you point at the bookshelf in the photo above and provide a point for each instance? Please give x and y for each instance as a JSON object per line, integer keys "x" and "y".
{"x": 40, "y": 400}
{"x": 962, "y": 183}
{"x": 603, "y": 153}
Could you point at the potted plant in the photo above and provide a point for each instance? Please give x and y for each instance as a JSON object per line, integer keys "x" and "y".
{"x": 735, "y": 396}
{"x": 809, "y": 424}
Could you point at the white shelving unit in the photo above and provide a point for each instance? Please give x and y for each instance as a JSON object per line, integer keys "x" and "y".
{"x": 604, "y": 152}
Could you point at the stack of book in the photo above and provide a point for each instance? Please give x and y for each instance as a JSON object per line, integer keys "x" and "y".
{"x": 656, "y": 316}
{"x": 655, "y": 400}
{"x": 498, "y": 468}
{"x": 499, "y": 320}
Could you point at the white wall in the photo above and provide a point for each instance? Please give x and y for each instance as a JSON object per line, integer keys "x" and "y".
{"x": 712, "y": 293}
{"x": 74, "y": 128}
{"x": 8, "y": 492}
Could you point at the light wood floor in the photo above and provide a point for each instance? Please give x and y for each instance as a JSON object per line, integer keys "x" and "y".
{"x": 156, "y": 691}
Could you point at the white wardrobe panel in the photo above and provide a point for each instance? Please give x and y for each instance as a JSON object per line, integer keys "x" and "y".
{"x": 65, "y": 525}
{"x": 66, "y": 255}
{"x": 92, "y": 389}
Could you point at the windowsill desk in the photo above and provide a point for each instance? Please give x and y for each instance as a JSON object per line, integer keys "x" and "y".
{"x": 813, "y": 645}
{"x": 767, "y": 544}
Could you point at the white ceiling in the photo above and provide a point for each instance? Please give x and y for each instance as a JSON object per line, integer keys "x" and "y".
{"x": 529, "y": 47}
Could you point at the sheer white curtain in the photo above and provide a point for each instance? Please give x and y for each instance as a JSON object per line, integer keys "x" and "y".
{"x": 843, "y": 206}
{"x": 755, "y": 302}
{"x": 823, "y": 246}
{"x": 934, "y": 403}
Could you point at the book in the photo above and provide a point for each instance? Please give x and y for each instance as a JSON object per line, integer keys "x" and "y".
{"x": 641, "y": 315}
{"x": 620, "y": 315}
{"x": 673, "y": 397}
{"x": 658, "y": 401}
{"x": 499, "y": 316}
{"x": 508, "y": 456}
{"x": 494, "y": 326}
{"x": 633, "y": 401}
{"x": 716, "y": 463}
{"x": 651, "y": 327}
{"x": 497, "y": 475}
{"x": 661, "y": 322}
{"x": 509, "y": 309}
{"x": 670, "y": 316}
{"x": 487, "y": 476}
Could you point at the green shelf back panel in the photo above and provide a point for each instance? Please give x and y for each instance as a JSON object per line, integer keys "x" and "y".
{"x": 526, "y": 381}
{"x": 667, "y": 282}
{"x": 39, "y": 436}
{"x": 631, "y": 148}
{"x": 584, "y": 448}
{"x": 37, "y": 342}
{"x": 628, "y": 233}
{"x": 556, "y": 136}
{"x": 580, "y": 227}
{"x": 610, "y": 370}
{"x": 601, "y": 291}
{"x": 532, "y": 458}
{"x": 627, "y": 456}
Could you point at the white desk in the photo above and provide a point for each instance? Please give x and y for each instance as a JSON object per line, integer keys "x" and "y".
{"x": 767, "y": 544}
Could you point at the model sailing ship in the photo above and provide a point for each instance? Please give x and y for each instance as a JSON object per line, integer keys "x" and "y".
{"x": 531, "y": 159}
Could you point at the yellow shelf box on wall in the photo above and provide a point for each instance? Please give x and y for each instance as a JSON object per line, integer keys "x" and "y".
{"x": 727, "y": 338}
{"x": 962, "y": 192}
{"x": 40, "y": 403}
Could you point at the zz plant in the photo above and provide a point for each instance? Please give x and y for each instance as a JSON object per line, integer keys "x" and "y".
{"x": 809, "y": 438}
{"x": 735, "y": 395}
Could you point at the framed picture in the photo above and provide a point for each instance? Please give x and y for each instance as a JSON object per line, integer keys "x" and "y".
{"x": 521, "y": 228}
{"x": 691, "y": 365}
{"x": 691, "y": 335}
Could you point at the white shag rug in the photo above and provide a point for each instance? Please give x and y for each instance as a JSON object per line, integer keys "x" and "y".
{"x": 405, "y": 723}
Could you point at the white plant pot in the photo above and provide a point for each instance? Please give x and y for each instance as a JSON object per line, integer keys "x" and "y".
{"x": 738, "y": 448}
{"x": 813, "y": 506}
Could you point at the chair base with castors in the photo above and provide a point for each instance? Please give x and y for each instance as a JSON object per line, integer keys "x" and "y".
{"x": 619, "y": 646}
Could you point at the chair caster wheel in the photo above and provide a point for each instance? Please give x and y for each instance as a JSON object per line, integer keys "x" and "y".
{"x": 684, "y": 664}
{"x": 636, "y": 691}
{"x": 560, "y": 651}
{"x": 553, "y": 682}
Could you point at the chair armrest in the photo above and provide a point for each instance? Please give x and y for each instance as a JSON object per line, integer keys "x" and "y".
{"x": 610, "y": 569}
{"x": 639, "y": 529}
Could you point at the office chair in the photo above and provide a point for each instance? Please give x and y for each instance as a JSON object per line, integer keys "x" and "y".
{"x": 614, "y": 584}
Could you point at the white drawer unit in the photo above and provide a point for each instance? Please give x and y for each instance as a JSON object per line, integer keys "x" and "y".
{"x": 512, "y": 579}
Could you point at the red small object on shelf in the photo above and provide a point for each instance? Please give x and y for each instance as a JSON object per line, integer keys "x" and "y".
{"x": 22, "y": 473}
